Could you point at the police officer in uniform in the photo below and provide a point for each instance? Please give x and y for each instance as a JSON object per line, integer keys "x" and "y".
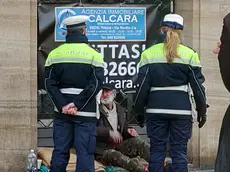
{"x": 166, "y": 71}
{"x": 74, "y": 75}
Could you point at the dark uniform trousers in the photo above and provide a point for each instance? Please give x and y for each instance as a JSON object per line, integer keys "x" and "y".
{"x": 180, "y": 132}
{"x": 127, "y": 155}
{"x": 77, "y": 134}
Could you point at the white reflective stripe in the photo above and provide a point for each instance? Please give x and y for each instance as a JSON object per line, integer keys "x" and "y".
{"x": 98, "y": 101}
{"x": 169, "y": 111}
{"x": 71, "y": 90}
{"x": 193, "y": 104}
{"x": 177, "y": 88}
{"x": 86, "y": 114}
{"x": 81, "y": 113}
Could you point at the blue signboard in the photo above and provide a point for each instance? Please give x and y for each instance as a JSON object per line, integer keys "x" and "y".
{"x": 106, "y": 23}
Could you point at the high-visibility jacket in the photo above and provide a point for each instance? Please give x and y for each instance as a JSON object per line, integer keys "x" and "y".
{"x": 74, "y": 73}
{"x": 163, "y": 89}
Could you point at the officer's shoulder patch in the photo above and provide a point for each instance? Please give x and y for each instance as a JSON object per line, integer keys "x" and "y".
{"x": 189, "y": 48}
{"x": 93, "y": 47}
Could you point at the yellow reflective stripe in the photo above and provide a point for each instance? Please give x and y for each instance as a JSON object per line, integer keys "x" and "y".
{"x": 195, "y": 58}
{"x": 51, "y": 61}
{"x": 98, "y": 58}
{"x": 71, "y": 51}
{"x": 164, "y": 60}
{"x": 155, "y": 54}
{"x": 157, "y": 51}
{"x": 75, "y": 53}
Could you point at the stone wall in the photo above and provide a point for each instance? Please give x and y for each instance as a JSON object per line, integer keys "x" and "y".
{"x": 203, "y": 24}
{"x": 18, "y": 66}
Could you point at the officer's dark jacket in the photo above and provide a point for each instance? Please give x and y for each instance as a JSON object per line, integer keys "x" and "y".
{"x": 223, "y": 158}
{"x": 75, "y": 65}
{"x": 224, "y": 54}
{"x": 155, "y": 72}
{"x": 103, "y": 128}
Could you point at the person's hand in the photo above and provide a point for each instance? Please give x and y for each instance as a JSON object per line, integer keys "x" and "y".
{"x": 116, "y": 137}
{"x": 201, "y": 119}
{"x": 133, "y": 132}
{"x": 217, "y": 50}
{"x": 70, "y": 109}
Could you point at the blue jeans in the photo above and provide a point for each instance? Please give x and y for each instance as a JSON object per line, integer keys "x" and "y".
{"x": 179, "y": 132}
{"x": 77, "y": 134}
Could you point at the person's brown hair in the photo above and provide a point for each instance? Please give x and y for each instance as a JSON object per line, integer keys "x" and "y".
{"x": 171, "y": 43}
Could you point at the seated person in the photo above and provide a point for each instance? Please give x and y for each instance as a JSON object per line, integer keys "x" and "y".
{"x": 118, "y": 145}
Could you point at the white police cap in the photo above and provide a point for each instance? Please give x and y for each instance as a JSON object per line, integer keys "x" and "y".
{"x": 75, "y": 20}
{"x": 174, "y": 21}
